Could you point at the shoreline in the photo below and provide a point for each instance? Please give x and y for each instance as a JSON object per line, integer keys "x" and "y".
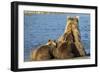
{"x": 75, "y": 58}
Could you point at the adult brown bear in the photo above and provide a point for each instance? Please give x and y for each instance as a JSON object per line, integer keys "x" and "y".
{"x": 72, "y": 36}
{"x": 63, "y": 51}
{"x": 69, "y": 45}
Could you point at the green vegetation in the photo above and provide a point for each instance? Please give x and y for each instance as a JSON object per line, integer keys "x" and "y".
{"x": 40, "y": 12}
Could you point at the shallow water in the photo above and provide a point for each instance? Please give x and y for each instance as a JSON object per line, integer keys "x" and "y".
{"x": 38, "y": 28}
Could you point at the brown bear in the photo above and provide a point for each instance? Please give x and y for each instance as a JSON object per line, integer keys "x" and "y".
{"x": 63, "y": 51}
{"x": 77, "y": 37}
{"x": 72, "y": 37}
{"x": 69, "y": 45}
{"x": 43, "y": 52}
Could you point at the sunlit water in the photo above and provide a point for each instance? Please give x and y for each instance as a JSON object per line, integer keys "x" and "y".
{"x": 38, "y": 28}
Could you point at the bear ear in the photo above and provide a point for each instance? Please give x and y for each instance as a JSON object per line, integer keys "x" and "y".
{"x": 49, "y": 40}
{"x": 68, "y": 17}
{"x": 77, "y": 17}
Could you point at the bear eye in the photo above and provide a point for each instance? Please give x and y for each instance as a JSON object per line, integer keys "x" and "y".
{"x": 70, "y": 18}
{"x": 76, "y": 19}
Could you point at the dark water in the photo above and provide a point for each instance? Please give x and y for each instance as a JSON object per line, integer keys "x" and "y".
{"x": 38, "y": 28}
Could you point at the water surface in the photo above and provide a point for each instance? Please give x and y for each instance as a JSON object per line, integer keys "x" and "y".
{"x": 38, "y": 28}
